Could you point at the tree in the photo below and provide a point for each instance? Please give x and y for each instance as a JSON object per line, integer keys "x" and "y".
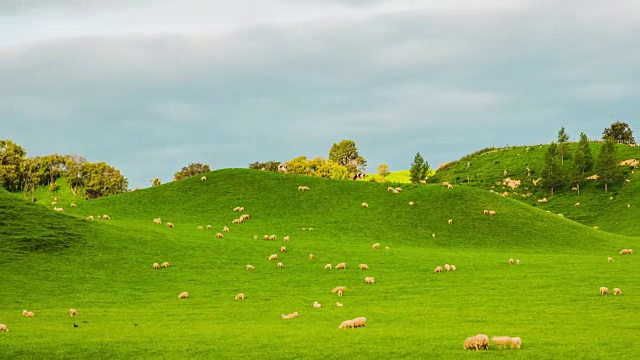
{"x": 269, "y": 165}
{"x": 100, "y": 179}
{"x": 620, "y": 132}
{"x": 552, "y": 177}
{"x": 11, "y": 157}
{"x": 191, "y": 170}
{"x": 582, "y": 162}
{"x": 419, "y": 168}
{"x": 156, "y": 182}
{"x": 563, "y": 137}
{"x": 607, "y": 165}
{"x": 383, "y": 170}
{"x": 345, "y": 153}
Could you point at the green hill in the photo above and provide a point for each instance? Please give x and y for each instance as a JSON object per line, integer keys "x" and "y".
{"x": 129, "y": 310}
{"x": 616, "y": 211}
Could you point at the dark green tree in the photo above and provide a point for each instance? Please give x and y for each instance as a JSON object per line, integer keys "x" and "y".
{"x": 563, "y": 137}
{"x": 191, "y": 170}
{"x": 419, "y": 169}
{"x": 11, "y": 157}
{"x": 620, "y": 132}
{"x": 582, "y": 162}
{"x": 345, "y": 153}
{"x": 606, "y": 165}
{"x": 552, "y": 176}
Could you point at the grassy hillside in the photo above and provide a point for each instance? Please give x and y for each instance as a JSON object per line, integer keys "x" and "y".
{"x": 129, "y": 310}
{"x": 616, "y": 211}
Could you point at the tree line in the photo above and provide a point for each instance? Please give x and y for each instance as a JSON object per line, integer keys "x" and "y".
{"x": 21, "y": 173}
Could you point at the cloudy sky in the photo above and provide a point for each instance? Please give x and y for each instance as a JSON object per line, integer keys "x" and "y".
{"x": 151, "y": 86}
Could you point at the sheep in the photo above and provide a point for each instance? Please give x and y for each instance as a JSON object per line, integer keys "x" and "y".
{"x": 244, "y": 217}
{"x": 423, "y": 181}
{"x": 543, "y": 200}
{"x": 303, "y": 188}
{"x": 376, "y": 246}
{"x": 304, "y": 229}
{"x": 73, "y": 312}
{"x": 3, "y": 328}
{"x": 200, "y": 227}
{"x": 73, "y": 205}
{"x": 471, "y": 342}
{"x": 617, "y": 291}
{"x": 273, "y": 257}
{"x": 250, "y": 267}
{"x": 156, "y": 266}
{"x": 501, "y": 341}
{"x": 90, "y": 217}
{"x": 369, "y": 280}
{"x": 293, "y": 315}
{"x": 28, "y": 313}
{"x": 449, "y": 186}
{"x": 450, "y": 221}
{"x": 157, "y": 221}
{"x": 578, "y": 204}
{"x": 610, "y": 259}
{"x": 236, "y": 221}
{"x": 170, "y": 225}
{"x": 183, "y": 295}
{"x": 629, "y": 206}
{"x": 240, "y": 296}
{"x": 237, "y": 208}
{"x": 58, "y": 209}
{"x": 365, "y": 205}
{"x": 390, "y": 188}
{"x": 219, "y": 236}
{"x": 106, "y": 217}
{"x": 511, "y": 261}
{"x": 272, "y": 237}
{"x": 286, "y": 238}
{"x": 54, "y": 204}
{"x": 316, "y": 304}
{"x": 341, "y": 266}
{"x": 411, "y": 203}
{"x": 453, "y": 268}
{"x": 208, "y": 227}
{"x": 225, "y": 229}
{"x": 266, "y": 237}
{"x": 626, "y": 251}
{"x": 310, "y": 229}
{"x": 364, "y": 267}
{"x": 485, "y": 212}
{"x": 518, "y": 262}
{"x": 165, "y": 264}
{"x": 447, "y": 267}
{"x": 492, "y": 212}
{"x": 604, "y": 291}
{"x": 433, "y": 235}
{"x": 438, "y": 269}
{"x": 516, "y": 342}
{"x": 346, "y": 324}
{"x": 327, "y": 267}
{"x": 483, "y": 341}
{"x": 339, "y": 290}
{"x": 339, "y": 304}
{"x": 311, "y": 256}
{"x": 360, "y": 322}
{"x": 596, "y": 228}
{"x": 398, "y": 189}
{"x": 204, "y": 178}
{"x": 280, "y": 265}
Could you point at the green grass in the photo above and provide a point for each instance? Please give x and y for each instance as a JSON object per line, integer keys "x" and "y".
{"x": 52, "y": 261}
{"x": 397, "y": 177}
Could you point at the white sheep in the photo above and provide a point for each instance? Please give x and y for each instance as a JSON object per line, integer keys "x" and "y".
{"x": 170, "y": 225}
{"x": 339, "y": 290}
{"x": 365, "y": 205}
{"x": 204, "y": 178}
{"x": 311, "y": 256}
{"x": 73, "y": 205}
{"x": 511, "y": 261}
{"x": 280, "y": 265}
{"x": 316, "y": 304}
{"x": 360, "y": 322}
{"x": 483, "y": 341}
{"x": 518, "y": 262}
{"x": 447, "y": 267}
{"x": 604, "y": 291}
{"x": 453, "y": 268}
{"x": 610, "y": 259}
{"x": 346, "y": 324}
{"x": 364, "y": 267}
{"x": 516, "y": 342}
{"x": 272, "y": 237}
{"x": 390, "y": 188}
{"x": 28, "y": 313}
{"x": 411, "y": 203}
{"x": 501, "y": 341}
{"x": 90, "y": 217}
{"x": 266, "y": 237}
{"x": 240, "y": 296}
{"x": 250, "y": 267}
{"x": 165, "y": 264}
{"x": 369, "y": 280}
{"x": 73, "y": 312}
{"x": 183, "y": 295}
{"x": 543, "y": 200}
{"x": 327, "y": 267}
{"x": 617, "y": 291}
{"x": 339, "y": 304}
{"x": 492, "y": 212}
{"x": 626, "y": 251}
{"x": 341, "y": 266}
{"x": 286, "y": 238}
{"x": 157, "y": 221}
{"x": 156, "y": 266}
{"x": 293, "y": 315}
{"x": 3, "y": 328}
{"x": 283, "y": 249}
{"x": 303, "y": 188}
{"x": 450, "y": 221}
{"x": 578, "y": 204}
{"x": 273, "y": 257}
{"x": 438, "y": 269}
{"x": 485, "y": 212}
{"x": 376, "y": 246}
{"x": 106, "y": 217}
{"x": 219, "y": 236}
{"x": 225, "y": 229}
{"x": 200, "y": 227}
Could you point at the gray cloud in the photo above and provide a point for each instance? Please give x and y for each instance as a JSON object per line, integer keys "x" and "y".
{"x": 396, "y": 83}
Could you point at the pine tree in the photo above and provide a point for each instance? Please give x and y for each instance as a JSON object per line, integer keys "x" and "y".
{"x": 419, "y": 168}
{"x": 552, "y": 176}
{"x": 606, "y": 165}
{"x": 582, "y": 162}
{"x": 563, "y": 137}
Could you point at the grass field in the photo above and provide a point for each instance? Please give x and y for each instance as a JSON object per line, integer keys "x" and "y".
{"x": 50, "y": 262}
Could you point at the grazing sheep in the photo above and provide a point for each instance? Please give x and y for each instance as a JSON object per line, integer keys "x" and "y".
{"x": 170, "y": 225}
{"x": 273, "y": 257}
{"x": 283, "y": 249}
{"x": 339, "y": 304}
{"x": 311, "y": 256}
{"x": 450, "y": 221}
{"x": 365, "y": 205}
{"x": 280, "y": 265}
{"x": 310, "y": 229}
{"x": 578, "y": 204}
{"x": 492, "y": 212}
{"x": 485, "y": 212}
{"x": 518, "y": 262}
{"x": 219, "y": 236}
{"x": 58, "y": 209}
{"x": 225, "y": 229}
{"x": 286, "y": 238}
{"x": 629, "y": 206}
{"x": 364, "y": 267}
{"x": 90, "y": 217}
{"x": 327, "y": 267}
{"x": 483, "y": 341}
{"x": 596, "y": 228}
{"x": 240, "y": 296}
{"x": 360, "y": 322}
{"x": 346, "y": 324}
{"x": 626, "y": 251}
{"x": 250, "y": 267}
{"x": 237, "y": 208}
{"x": 156, "y": 266}
{"x": 433, "y": 235}
{"x": 610, "y": 259}
{"x": 341, "y": 266}
{"x": 73, "y": 312}
{"x": 204, "y": 178}
{"x": 54, "y": 204}
{"x": 303, "y": 188}
{"x": 183, "y": 295}
{"x": 28, "y": 313}
{"x": 472, "y": 343}
{"x": 447, "y": 267}
{"x": 316, "y": 304}
{"x": 272, "y": 237}
{"x": 293, "y": 315}
{"x": 157, "y": 221}
{"x": 501, "y": 341}
{"x": 543, "y": 200}
{"x": 3, "y": 328}
{"x": 511, "y": 261}
{"x": 398, "y": 189}
{"x": 453, "y": 268}
{"x": 604, "y": 291}
{"x": 390, "y": 188}
{"x": 516, "y": 342}
{"x": 244, "y": 217}
{"x": 106, "y": 217}
{"x": 304, "y": 229}
{"x": 165, "y": 264}
{"x": 266, "y": 237}
{"x": 449, "y": 186}
{"x": 73, "y": 205}
{"x": 208, "y": 227}
{"x": 236, "y": 221}
{"x": 617, "y": 291}
{"x": 376, "y": 246}
{"x": 369, "y": 280}
{"x": 438, "y": 269}
{"x": 411, "y": 203}
{"x": 339, "y": 290}
{"x": 200, "y": 227}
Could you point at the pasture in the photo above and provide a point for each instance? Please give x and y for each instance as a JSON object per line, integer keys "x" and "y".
{"x": 51, "y": 262}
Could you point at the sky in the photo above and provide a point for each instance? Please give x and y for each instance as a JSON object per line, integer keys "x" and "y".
{"x": 152, "y": 86}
